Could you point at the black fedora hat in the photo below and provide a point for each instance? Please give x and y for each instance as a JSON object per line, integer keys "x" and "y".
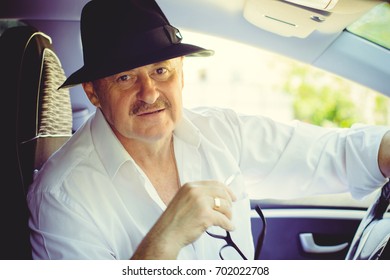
{"x": 118, "y": 35}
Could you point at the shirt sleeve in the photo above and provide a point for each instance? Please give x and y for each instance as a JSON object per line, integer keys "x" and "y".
{"x": 286, "y": 161}
{"x": 60, "y": 230}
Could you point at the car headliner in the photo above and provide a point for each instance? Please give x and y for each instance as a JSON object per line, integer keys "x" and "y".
{"x": 340, "y": 52}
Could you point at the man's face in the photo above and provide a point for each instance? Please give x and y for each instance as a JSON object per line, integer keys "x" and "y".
{"x": 144, "y": 103}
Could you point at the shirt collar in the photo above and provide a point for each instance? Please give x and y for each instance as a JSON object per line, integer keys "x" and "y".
{"x": 111, "y": 152}
{"x": 187, "y": 131}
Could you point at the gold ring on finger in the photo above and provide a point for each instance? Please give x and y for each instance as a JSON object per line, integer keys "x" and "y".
{"x": 217, "y": 203}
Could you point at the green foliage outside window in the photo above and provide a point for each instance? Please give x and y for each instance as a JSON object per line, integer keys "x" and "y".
{"x": 330, "y": 101}
{"x": 374, "y": 25}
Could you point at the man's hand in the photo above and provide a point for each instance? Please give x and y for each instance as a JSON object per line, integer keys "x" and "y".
{"x": 187, "y": 216}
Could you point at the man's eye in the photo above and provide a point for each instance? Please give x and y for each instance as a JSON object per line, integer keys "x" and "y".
{"x": 124, "y": 78}
{"x": 161, "y": 70}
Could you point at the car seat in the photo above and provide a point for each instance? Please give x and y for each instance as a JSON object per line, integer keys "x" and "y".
{"x": 36, "y": 121}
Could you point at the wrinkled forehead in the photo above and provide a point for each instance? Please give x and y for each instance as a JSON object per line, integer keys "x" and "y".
{"x": 173, "y": 63}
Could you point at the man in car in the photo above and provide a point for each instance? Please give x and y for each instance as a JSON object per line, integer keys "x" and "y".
{"x": 145, "y": 178}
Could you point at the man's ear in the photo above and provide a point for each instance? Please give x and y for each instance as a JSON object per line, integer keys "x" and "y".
{"x": 91, "y": 93}
{"x": 182, "y": 72}
{"x": 182, "y": 79}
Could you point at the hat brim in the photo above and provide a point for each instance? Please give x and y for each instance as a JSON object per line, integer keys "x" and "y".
{"x": 85, "y": 74}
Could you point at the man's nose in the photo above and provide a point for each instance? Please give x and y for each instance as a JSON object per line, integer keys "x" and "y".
{"x": 148, "y": 92}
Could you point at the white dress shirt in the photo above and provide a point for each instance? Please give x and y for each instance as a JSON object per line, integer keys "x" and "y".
{"x": 92, "y": 201}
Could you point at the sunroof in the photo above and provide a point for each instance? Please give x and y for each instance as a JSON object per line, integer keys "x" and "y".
{"x": 374, "y": 25}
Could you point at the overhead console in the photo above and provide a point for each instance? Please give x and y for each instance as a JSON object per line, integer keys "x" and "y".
{"x": 300, "y": 18}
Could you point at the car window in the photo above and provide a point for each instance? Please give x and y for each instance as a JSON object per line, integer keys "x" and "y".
{"x": 254, "y": 81}
{"x": 374, "y": 25}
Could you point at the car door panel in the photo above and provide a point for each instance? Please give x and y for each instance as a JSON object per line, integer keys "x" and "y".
{"x": 289, "y": 229}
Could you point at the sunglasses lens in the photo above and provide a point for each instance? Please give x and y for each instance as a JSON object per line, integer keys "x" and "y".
{"x": 230, "y": 253}
{"x": 217, "y": 232}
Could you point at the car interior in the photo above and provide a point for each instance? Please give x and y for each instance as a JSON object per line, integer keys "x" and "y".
{"x": 40, "y": 45}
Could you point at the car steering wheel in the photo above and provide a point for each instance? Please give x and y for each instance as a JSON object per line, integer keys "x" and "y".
{"x": 373, "y": 232}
